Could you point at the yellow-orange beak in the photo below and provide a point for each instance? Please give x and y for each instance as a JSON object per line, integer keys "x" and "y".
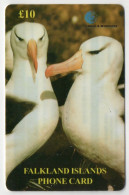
{"x": 72, "y": 64}
{"x": 32, "y": 52}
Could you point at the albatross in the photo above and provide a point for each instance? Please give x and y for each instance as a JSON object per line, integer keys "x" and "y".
{"x": 8, "y": 53}
{"x": 92, "y": 113}
{"x": 29, "y": 42}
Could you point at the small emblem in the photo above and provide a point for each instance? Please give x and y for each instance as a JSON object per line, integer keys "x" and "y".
{"x": 90, "y": 17}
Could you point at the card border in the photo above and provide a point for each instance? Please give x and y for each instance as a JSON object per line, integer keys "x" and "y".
{"x": 3, "y": 5}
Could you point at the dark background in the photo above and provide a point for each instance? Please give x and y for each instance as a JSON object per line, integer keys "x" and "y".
{"x": 65, "y": 36}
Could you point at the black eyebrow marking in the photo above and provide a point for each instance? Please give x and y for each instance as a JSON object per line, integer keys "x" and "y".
{"x": 20, "y": 39}
{"x": 42, "y": 36}
{"x": 98, "y": 51}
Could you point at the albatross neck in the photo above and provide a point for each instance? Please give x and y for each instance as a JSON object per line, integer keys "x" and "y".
{"x": 25, "y": 83}
{"x": 25, "y": 69}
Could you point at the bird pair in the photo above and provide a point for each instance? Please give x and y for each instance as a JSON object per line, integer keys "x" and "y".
{"x": 91, "y": 115}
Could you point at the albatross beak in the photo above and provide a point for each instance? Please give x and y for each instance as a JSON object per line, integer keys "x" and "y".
{"x": 32, "y": 52}
{"x": 74, "y": 63}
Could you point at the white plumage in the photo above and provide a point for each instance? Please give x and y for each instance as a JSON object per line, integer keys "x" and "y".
{"x": 92, "y": 112}
{"x": 8, "y": 53}
{"x": 28, "y": 83}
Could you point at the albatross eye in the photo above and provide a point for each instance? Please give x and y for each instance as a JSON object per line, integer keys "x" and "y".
{"x": 95, "y": 51}
{"x": 19, "y": 38}
{"x": 41, "y": 38}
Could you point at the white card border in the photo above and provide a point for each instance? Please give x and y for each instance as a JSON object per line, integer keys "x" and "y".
{"x": 3, "y": 5}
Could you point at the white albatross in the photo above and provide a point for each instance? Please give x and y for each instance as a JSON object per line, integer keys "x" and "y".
{"x": 28, "y": 83}
{"x": 9, "y": 61}
{"x": 8, "y": 53}
{"x": 91, "y": 116}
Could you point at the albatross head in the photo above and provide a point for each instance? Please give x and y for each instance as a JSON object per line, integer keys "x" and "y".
{"x": 29, "y": 41}
{"x": 99, "y": 56}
